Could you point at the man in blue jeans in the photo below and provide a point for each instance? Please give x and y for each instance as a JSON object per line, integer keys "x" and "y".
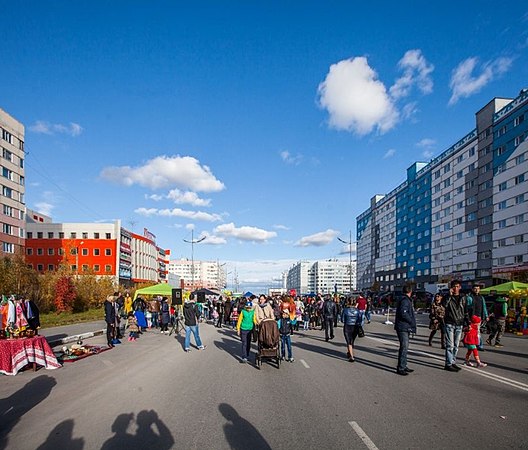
{"x": 191, "y": 316}
{"x": 455, "y": 319}
{"x": 404, "y": 324}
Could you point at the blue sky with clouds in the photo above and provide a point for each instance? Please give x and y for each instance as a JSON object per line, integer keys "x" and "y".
{"x": 265, "y": 126}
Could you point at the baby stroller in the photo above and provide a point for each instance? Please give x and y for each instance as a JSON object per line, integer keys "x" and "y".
{"x": 268, "y": 342}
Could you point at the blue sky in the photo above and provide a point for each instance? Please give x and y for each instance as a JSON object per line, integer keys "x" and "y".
{"x": 265, "y": 126}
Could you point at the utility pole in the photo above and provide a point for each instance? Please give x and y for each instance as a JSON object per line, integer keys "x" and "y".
{"x": 192, "y": 242}
{"x": 349, "y": 243}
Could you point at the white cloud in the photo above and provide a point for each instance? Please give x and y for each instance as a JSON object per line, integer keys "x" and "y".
{"x": 317, "y": 239}
{"x": 190, "y": 226}
{"x": 464, "y": 83}
{"x": 416, "y": 71}
{"x": 281, "y": 227}
{"x": 427, "y": 154}
{"x": 213, "y": 240}
{"x": 177, "y": 212}
{"x": 43, "y": 127}
{"x": 355, "y": 99}
{"x": 244, "y": 233}
{"x": 166, "y": 171}
{"x": 288, "y": 158}
{"x": 345, "y": 250}
{"x": 389, "y": 153}
{"x": 187, "y": 197}
{"x": 155, "y": 197}
{"x": 44, "y": 208}
{"x": 426, "y": 143}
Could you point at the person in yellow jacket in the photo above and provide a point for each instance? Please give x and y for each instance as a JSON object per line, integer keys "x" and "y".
{"x": 128, "y": 303}
{"x": 246, "y": 322}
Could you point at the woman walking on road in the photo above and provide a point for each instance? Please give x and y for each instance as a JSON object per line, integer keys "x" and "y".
{"x": 437, "y": 320}
{"x": 352, "y": 319}
{"x": 245, "y": 324}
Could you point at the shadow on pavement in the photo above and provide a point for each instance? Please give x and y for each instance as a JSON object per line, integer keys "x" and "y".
{"x": 62, "y": 437}
{"x": 145, "y": 436}
{"x": 16, "y": 405}
{"x": 239, "y": 433}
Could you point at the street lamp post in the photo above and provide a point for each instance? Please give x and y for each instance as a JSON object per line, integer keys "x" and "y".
{"x": 192, "y": 242}
{"x": 349, "y": 243}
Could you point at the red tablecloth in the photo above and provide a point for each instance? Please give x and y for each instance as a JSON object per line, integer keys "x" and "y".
{"x": 17, "y": 353}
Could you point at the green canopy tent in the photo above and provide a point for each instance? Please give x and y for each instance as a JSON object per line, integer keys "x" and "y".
{"x": 504, "y": 288}
{"x": 163, "y": 289}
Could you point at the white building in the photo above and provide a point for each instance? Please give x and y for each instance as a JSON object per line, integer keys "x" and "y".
{"x": 207, "y": 274}
{"x": 326, "y": 276}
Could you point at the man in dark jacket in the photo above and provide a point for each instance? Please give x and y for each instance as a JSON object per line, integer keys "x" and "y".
{"x": 191, "y": 316}
{"x": 110, "y": 319}
{"x": 500, "y": 312}
{"x": 476, "y": 306}
{"x": 404, "y": 324}
{"x": 455, "y": 319}
{"x": 329, "y": 312}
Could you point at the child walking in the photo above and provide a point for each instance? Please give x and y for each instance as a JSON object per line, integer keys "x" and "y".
{"x": 132, "y": 326}
{"x": 471, "y": 339}
{"x": 285, "y": 331}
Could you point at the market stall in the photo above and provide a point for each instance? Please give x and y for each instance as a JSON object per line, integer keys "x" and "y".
{"x": 16, "y": 353}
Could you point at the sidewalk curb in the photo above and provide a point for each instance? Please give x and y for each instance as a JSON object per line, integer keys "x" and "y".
{"x": 76, "y": 337}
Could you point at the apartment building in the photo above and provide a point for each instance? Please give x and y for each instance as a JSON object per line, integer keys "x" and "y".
{"x": 325, "y": 277}
{"x": 462, "y": 215}
{"x": 12, "y": 185}
{"x": 199, "y": 274}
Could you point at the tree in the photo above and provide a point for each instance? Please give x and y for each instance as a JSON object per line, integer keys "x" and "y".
{"x": 64, "y": 294}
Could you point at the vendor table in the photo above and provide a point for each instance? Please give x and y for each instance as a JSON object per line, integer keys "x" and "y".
{"x": 18, "y": 353}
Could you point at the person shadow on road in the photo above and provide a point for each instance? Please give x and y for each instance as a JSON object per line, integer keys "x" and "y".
{"x": 240, "y": 433}
{"x": 145, "y": 436}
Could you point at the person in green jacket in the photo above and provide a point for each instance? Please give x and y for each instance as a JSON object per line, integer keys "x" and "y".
{"x": 246, "y": 322}
{"x": 500, "y": 312}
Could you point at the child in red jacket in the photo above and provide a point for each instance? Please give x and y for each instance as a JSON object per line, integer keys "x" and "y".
{"x": 471, "y": 339}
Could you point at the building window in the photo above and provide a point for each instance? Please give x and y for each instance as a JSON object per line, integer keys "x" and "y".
{"x": 108, "y": 252}
{"x": 519, "y": 178}
{"x": 39, "y": 235}
{"x": 61, "y": 235}
{"x": 74, "y": 267}
{"x": 502, "y": 205}
{"x": 40, "y": 251}
{"x": 40, "y": 267}
{"x": 85, "y": 267}
{"x": 519, "y": 159}
{"x": 73, "y": 235}
{"x": 518, "y": 120}
{"x": 519, "y": 199}
{"x": 502, "y": 223}
{"x": 60, "y": 252}
{"x": 519, "y": 239}
{"x": 108, "y": 268}
{"x": 50, "y": 235}
{"x": 29, "y": 251}
{"x": 51, "y": 267}
{"x": 96, "y": 268}
{"x": 73, "y": 251}
{"x": 84, "y": 235}
{"x": 108, "y": 235}
{"x": 85, "y": 252}
{"x": 518, "y": 259}
{"x": 96, "y": 235}
{"x": 96, "y": 252}
{"x": 51, "y": 251}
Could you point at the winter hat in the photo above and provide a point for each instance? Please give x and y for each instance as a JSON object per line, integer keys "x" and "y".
{"x": 249, "y": 304}
{"x": 475, "y": 319}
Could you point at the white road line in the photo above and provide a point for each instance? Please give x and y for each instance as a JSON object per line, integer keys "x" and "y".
{"x": 303, "y": 362}
{"x": 491, "y": 376}
{"x": 363, "y": 436}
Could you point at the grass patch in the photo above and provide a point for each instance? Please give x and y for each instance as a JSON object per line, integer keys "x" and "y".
{"x": 56, "y": 320}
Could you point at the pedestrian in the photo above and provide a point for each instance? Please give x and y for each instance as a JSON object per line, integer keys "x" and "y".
{"x": 368, "y": 310}
{"x": 286, "y": 330}
{"x": 500, "y": 312}
{"x": 455, "y": 319}
{"x": 219, "y": 307}
{"x": 471, "y": 340}
{"x": 263, "y": 310}
{"x": 164, "y": 316}
{"x": 244, "y": 326}
{"x": 404, "y": 324}
{"x": 476, "y": 306}
{"x": 352, "y": 319}
{"x": 154, "y": 308}
{"x": 306, "y": 315}
{"x": 436, "y": 320}
{"x": 190, "y": 315}
{"x": 132, "y": 326}
{"x": 329, "y": 312}
{"x": 110, "y": 319}
{"x": 227, "y": 311}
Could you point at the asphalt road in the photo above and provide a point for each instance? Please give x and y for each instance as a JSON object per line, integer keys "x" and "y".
{"x": 150, "y": 394}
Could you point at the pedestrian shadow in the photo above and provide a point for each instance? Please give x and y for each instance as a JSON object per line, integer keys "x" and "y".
{"x": 16, "y": 405}
{"x": 151, "y": 432}
{"x": 62, "y": 437}
{"x": 331, "y": 353}
{"x": 241, "y": 434}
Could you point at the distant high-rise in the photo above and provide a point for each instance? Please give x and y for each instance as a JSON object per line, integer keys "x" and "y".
{"x": 463, "y": 215}
{"x": 12, "y": 181}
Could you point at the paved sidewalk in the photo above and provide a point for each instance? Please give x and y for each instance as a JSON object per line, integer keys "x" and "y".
{"x": 70, "y": 333}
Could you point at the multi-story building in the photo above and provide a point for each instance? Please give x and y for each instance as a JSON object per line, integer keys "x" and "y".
{"x": 12, "y": 184}
{"x": 199, "y": 274}
{"x": 104, "y": 249}
{"x": 325, "y": 277}
{"x": 462, "y": 215}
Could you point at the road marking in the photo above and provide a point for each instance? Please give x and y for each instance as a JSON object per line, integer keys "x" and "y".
{"x": 480, "y": 372}
{"x": 303, "y": 362}
{"x": 363, "y": 436}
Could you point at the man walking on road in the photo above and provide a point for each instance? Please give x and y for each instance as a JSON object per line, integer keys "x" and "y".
{"x": 329, "y": 313}
{"x": 404, "y": 324}
{"x": 191, "y": 316}
{"x": 455, "y": 319}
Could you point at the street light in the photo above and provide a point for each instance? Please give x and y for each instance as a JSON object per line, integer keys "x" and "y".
{"x": 192, "y": 242}
{"x": 349, "y": 243}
